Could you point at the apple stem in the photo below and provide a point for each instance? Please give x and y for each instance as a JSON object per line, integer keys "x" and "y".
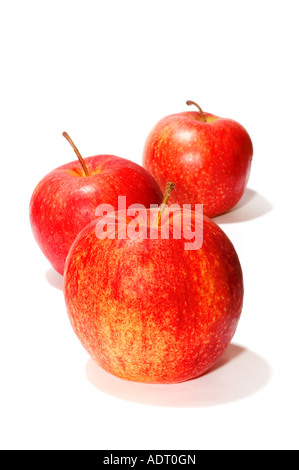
{"x": 168, "y": 190}
{"x": 202, "y": 114}
{"x": 86, "y": 171}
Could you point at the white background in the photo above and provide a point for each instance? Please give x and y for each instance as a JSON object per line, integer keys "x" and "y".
{"x": 106, "y": 72}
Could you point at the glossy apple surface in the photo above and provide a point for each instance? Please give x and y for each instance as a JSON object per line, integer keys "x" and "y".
{"x": 206, "y": 156}
{"x": 148, "y": 310}
{"x": 65, "y": 200}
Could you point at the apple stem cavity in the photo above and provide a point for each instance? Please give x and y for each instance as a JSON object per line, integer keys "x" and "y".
{"x": 85, "y": 169}
{"x": 168, "y": 190}
{"x": 202, "y": 114}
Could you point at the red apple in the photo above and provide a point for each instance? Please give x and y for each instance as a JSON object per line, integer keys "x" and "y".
{"x": 206, "y": 156}
{"x": 149, "y": 310}
{"x": 65, "y": 200}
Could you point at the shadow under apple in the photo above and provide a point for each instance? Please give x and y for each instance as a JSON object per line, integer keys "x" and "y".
{"x": 251, "y": 206}
{"x": 238, "y": 374}
{"x": 54, "y": 279}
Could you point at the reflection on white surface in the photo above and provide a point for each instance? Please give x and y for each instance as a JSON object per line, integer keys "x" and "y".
{"x": 239, "y": 373}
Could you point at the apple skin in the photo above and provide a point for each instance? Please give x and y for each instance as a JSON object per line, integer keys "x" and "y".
{"x": 208, "y": 161}
{"x": 65, "y": 200}
{"x": 150, "y": 311}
